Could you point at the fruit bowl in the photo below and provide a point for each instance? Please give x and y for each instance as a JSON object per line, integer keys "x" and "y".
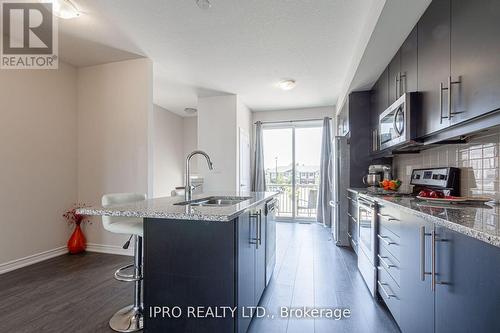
{"x": 390, "y": 185}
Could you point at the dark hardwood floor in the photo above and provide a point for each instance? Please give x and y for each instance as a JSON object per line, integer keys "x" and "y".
{"x": 312, "y": 271}
{"x": 79, "y": 293}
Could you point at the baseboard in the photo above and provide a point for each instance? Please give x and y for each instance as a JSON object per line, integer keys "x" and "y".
{"x": 111, "y": 249}
{"x": 32, "y": 259}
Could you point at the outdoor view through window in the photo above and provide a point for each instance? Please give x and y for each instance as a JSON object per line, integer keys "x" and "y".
{"x": 284, "y": 164}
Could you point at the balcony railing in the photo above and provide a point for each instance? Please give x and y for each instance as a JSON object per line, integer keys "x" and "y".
{"x": 305, "y": 200}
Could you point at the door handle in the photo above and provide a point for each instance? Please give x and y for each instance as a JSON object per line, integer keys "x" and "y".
{"x": 260, "y": 227}
{"x": 423, "y": 273}
{"x": 441, "y": 88}
{"x": 255, "y": 240}
{"x": 384, "y": 239}
{"x": 384, "y": 262}
{"x": 450, "y": 83}
{"x": 381, "y": 285}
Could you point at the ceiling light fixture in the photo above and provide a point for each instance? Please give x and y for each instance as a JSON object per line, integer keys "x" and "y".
{"x": 64, "y": 9}
{"x": 287, "y": 84}
{"x": 203, "y": 4}
{"x": 190, "y": 111}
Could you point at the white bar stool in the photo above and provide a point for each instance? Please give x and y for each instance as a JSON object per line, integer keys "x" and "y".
{"x": 130, "y": 318}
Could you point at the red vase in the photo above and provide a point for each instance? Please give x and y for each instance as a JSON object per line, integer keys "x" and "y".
{"x": 77, "y": 242}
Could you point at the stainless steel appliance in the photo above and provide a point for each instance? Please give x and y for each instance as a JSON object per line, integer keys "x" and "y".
{"x": 270, "y": 213}
{"x": 340, "y": 183}
{"x": 397, "y": 124}
{"x": 367, "y": 222}
{"x": 443, "y": 179}
{"x": 377, "y": 173}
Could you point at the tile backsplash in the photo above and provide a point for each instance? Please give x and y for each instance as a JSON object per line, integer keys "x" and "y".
{"x": 478, "y": 161}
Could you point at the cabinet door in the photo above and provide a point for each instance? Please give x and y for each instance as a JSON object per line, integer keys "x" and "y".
{"x": 475, "y": 57}
{"x": 260, "y": 257}
{"x": 382, "y": 93}
{"x": 468, "y": 292}
{"x": 394, "y": 70}
{"x": 409, "y": 67}
{"x": 434, "y": 64}
{"x": 246, "y": 268}
{"x": 417, "y": 297}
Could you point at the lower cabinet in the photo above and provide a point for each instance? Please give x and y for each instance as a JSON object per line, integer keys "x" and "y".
{"x": 458, "y": 292}
{"x": 246, "y": 269}
{"x": 467, "y": 296}
{"x": 251, "y": 256}
{"x": 417, "y": 297}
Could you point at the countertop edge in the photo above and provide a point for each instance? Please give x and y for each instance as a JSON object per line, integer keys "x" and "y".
{"x": 113, "y": 212}
{"x": 477, "y": 234}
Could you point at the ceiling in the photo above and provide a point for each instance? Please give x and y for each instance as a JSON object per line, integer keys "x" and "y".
{"x": 235, "y": 47}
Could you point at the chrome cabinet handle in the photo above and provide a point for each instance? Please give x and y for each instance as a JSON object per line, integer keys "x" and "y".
{"x": 433, "y": 257}
{"x": 387, "y": 217}
{"x": 396, "y": 86}
{"x": 441, "y": 88}
{"x": 260, "y": 227}
{"x": 381, "y": 285}
{"x": 450, "y": 83}
{"x": 389, "y": 266}
{"x": 349, "y": 235}
{"x": 384, "y": 239}
{"x": 423, "y": 273}
{"x": 256, "y": 239}
{"x": 402, "y": 91}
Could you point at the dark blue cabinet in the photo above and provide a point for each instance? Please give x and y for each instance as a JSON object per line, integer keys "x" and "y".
{"x": 417, "y": 297}
{"x": 246, "y": 268}
{"x": 467, "y": 296}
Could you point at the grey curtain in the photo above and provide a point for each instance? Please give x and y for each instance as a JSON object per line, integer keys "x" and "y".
{"x": 259, "y": 176}
{"x": 325, "y": 190}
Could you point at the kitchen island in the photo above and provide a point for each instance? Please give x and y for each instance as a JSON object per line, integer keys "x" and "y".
{"x": 204, "y": 265}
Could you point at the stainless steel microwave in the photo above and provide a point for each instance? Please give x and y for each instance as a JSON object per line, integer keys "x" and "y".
{"x": 397, "y": 124}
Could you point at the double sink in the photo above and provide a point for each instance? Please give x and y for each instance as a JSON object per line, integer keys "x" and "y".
{"x": 214, "y": 201}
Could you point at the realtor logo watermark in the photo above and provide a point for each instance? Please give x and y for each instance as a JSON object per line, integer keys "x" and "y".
{"x": 29, "y": 35}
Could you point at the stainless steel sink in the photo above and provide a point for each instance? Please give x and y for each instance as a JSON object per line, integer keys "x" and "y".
{"x": 214, "y": 201}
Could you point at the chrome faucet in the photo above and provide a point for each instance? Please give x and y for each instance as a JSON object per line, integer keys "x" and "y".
{"x": 188, "y": 189}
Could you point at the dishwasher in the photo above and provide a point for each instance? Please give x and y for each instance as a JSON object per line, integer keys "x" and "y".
{"x": 270, "y": 213}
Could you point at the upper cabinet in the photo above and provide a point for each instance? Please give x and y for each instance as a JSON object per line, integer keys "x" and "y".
{"x": 394, "y": 78}
{"x": 475, "y": 58}
{"x": 451, "y": 57}
{"x": 434, "y": 65}
{"x": 409, "y": 69}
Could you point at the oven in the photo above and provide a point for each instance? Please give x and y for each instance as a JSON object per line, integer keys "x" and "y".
{"x": 397, "y": 124}
{"x": 367, "y": 223}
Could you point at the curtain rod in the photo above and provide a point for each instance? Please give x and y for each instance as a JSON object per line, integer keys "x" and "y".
{"x": 291, "y": 121}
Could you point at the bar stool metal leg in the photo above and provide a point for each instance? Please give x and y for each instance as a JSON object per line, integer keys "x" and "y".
{"x": 130, "y": 318}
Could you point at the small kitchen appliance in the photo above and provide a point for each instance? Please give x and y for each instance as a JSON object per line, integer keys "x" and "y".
{"x": 377, "y": 173}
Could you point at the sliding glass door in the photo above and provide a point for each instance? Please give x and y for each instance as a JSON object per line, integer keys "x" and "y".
{"x": 291, "y": 160}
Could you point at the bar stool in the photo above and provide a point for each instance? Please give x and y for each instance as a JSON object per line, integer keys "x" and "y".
{"x": 130, "y": 318}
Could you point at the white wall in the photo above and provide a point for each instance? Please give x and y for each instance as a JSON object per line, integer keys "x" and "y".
{"x": 217, "y": 135}
{"x": 244, "y": 125}
{"x": 168, "y": 151}
{"x": 114, "y": 114}
{"x": 38, "y": 165}
{"x": 190, "y": 141}
{"x": 294, "y": 114}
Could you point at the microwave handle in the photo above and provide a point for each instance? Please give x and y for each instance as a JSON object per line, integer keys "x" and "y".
{"x": 399, "y": 110}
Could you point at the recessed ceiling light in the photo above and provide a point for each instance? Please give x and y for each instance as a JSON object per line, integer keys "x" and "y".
{"x": 203, "y": 4}
{"x": 287, "y": 84}
{"x": 190, "y": 111}
{"x": 64, "y": 9}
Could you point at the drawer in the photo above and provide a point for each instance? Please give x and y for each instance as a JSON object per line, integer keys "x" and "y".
{"x": 352, "y": 233}
{"x": 389, "y": 262}
{"x": 389, "y": 240}
{"x": 389, "y": 291}
{"x": 390, "y": 219}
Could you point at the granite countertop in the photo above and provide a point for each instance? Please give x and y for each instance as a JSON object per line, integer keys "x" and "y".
{"x": 165, "y": 208}
{"x": 478, "y": 221}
